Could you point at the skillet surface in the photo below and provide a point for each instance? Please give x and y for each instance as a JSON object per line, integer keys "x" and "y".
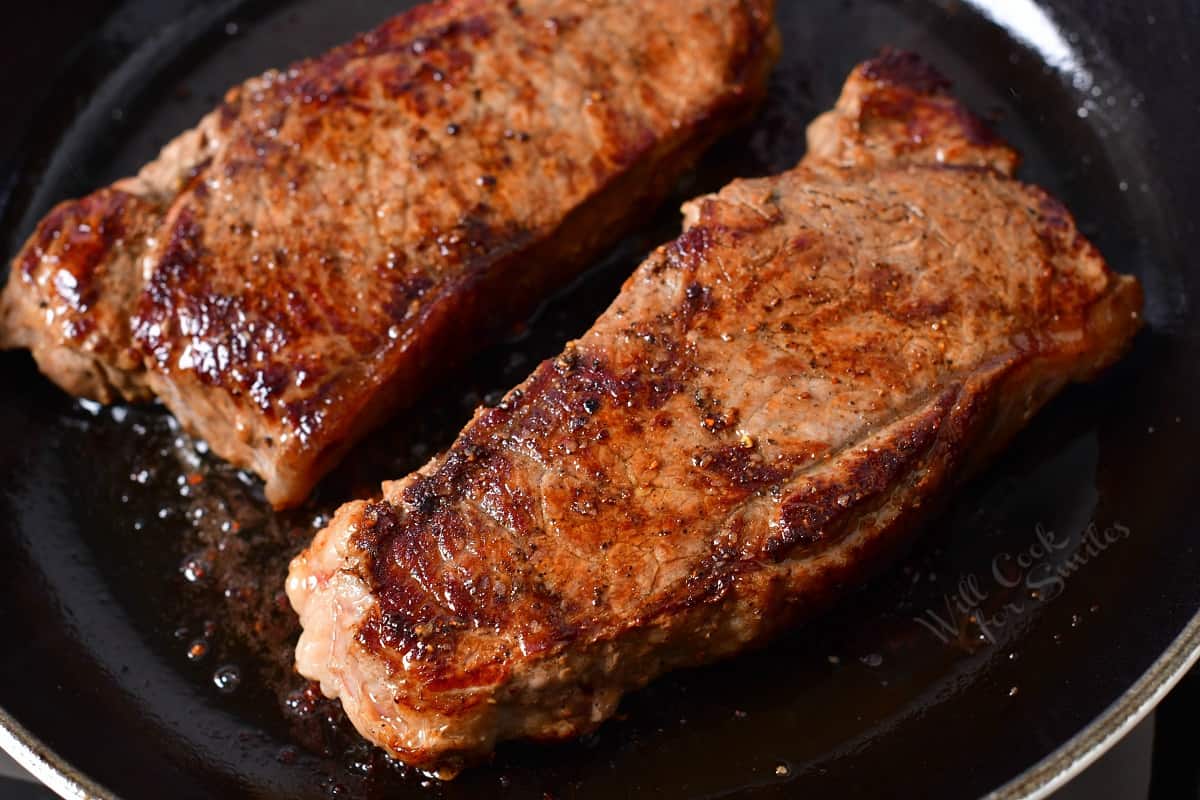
{"x": 145, "y": 644}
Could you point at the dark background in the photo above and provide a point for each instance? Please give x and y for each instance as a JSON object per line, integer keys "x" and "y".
{"x": 45, "y": 32}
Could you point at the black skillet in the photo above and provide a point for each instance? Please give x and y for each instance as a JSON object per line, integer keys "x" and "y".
{"x": 144, "y": 648}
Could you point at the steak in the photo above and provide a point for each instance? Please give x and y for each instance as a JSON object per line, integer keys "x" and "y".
{"x": 302, "y": 263}
{"x": 764, "y": 415}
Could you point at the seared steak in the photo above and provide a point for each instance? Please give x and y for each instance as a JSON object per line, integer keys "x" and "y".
{"x": 766, "y": 412}
{"x": 297, "y": 266}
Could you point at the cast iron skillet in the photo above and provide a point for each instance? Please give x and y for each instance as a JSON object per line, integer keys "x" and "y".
{"x": 145, "y": 647}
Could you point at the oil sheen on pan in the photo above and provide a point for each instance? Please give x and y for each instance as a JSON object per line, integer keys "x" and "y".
{"x": 135, "y": 558}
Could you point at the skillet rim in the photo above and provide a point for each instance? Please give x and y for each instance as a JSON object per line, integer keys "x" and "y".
{"x": 1038, "y": 781}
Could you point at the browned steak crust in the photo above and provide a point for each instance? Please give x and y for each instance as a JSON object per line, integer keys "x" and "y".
{"x": 763, "y": 415}
{"x": 297, "y": 266}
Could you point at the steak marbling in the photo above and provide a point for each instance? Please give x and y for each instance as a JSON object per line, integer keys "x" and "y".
{"x": 297, "y": 266}
{"x": 764, "y": 415}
